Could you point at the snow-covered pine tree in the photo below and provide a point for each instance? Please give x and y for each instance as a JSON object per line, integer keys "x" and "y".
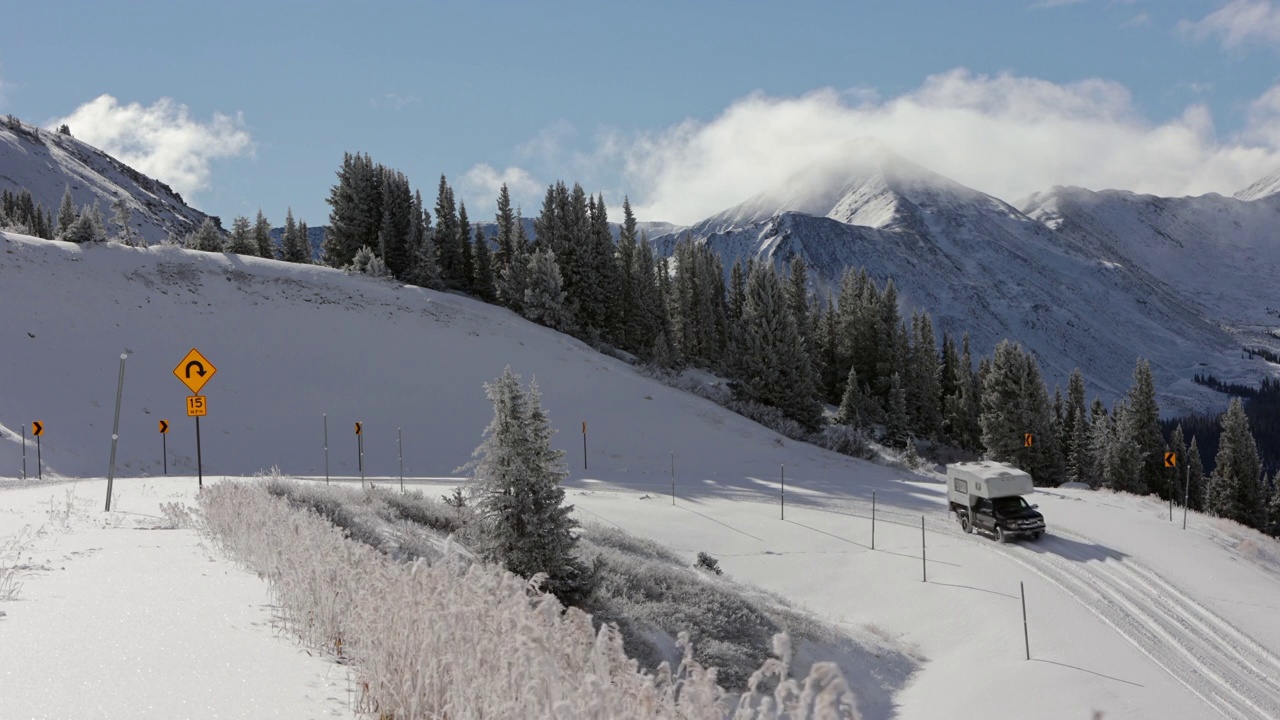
{"x": 396, "y": 224}
{"x": 649, "y": 314}
{"x": 601, "y": 278}
{"x": 82, "y": 230}
{"x": 294, "y": 247}
{"x": 484, "y": 285}
{"x": 121, "y": 217}
{"x": 206, "y": 238}
{"x": 774, "y": 369}
{"x": 305, "y": 253}
{"x": 262, "y": 244}
{"x": 1004, "y": 405}
{"x": 66, "y": 212}
{"x": 544, "y": 297}
{"x": 853, "y": 403}
{"x": 99, "y": 226}
{"x": 516, "y": 484}
{"x": 355, "y": 214}
{"x": 1122, "y": 466}
{"x": 1235, "y": 487}
{"x": 1101, "y": 428}
{"x": 830, "y": 349}
{"x": 1273, "y": 507}
{"x": 515, "y": 278}
{"x": 241, "y": 240}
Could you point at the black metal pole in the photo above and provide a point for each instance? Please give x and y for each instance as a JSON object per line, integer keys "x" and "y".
{"x": 1026, "y": 637}
{"x": 24, "y": 451}
{"x": 199, "y": 457}
{"x": 115, "y": 433}
{"x": 39, "y": 461}
{"x": 673, "y": 478}
{"x": 326, "y": 448}
{"x": 873, "y": 519}
{"x": 164, "y": 451}
{"x": 783, "y": 470}
{"x": 400, "y": 442}
{"x": 584, "y": 444}
{"x": 924, "y": 564}
{"x": 1186, "y": 499}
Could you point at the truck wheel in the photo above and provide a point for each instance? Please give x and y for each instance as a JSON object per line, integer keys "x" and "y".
{"x": 1000, "y": 535}
{"x": 964, "y": 523}
{"x": 1036, "y": 535}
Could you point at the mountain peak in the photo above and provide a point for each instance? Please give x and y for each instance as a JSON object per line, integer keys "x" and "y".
{"x": 1266, "y": 187}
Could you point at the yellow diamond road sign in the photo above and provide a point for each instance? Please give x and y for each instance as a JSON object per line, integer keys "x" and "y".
{"x": 194, "y": 371}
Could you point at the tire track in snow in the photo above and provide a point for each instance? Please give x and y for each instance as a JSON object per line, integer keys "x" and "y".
{"x": 1218, "y": 663}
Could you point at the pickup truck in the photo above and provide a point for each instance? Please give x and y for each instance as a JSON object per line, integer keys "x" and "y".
{"x": 989, "y": 496}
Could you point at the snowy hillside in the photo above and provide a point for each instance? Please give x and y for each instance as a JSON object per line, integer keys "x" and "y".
{"x": 46, "y": 163}
{"x": 1221, "y": 253}
{"x": 1129, "y": 614}
{"x": 977, "y": 264}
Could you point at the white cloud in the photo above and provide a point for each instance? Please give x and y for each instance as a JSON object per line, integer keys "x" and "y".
{"x": 480, "y": 186}
{"x": 161, "y": 140}
{"x": 1237, "y": 23}
{"x": 1139, "y": 20}
{"x": 1005, "y": 135}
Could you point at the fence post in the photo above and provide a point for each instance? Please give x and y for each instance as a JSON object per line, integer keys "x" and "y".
{"x": 924, "y": 563}
{"x": 1026, "y": 638}
{"x": 673, "y": 478}
{"x": 115, "y": 434}
{"x": 400, "y": 442}
{"x": 784, "y": 491}
{"x": 326, "y": 448}
{"x": 873, "y": 519}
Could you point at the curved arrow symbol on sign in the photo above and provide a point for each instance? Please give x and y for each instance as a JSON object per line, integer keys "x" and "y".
{"x": 198, "y": 366}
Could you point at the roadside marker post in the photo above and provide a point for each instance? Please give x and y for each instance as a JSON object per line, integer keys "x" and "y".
{"x": 164, "y": 444}
{"x": 115, "y": 431}
{"x": 584, "y": 444}
{"x": 24, "y": 452}
{"x": 360, "y": 450}
{"x": 673, "y": 479}
{"x": 37, "y": 429}
{"x": 326, "y": 448}
{"x": 873, "y": 519}
{"x": 1026, "y": 637}
{"x": 400, "y": 442}
{"x": 782, "y": 469}
{"x": 1171, "y": 461}
{"x": 924, "y": 563}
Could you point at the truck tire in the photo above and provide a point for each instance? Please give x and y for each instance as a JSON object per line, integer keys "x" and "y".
{"x": 1000, "y": 535}
{"x": 1036, "y": 535}
{"x": 964, "y": 522}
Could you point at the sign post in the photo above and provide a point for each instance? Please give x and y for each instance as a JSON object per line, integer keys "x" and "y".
{"x": 584, "y": 444}
{"x": 326, "y": 448}
{"x": 164, "y": 444}
{"x": 360, "y": 450}
{"x": 782, "y": 495}
{"x": 37, "y": 429}
{"x": 400, "y": 442}
{"x": 194, "y": 370}
{"x": 24, "y": 452}
{"x": 1171, "y": 461}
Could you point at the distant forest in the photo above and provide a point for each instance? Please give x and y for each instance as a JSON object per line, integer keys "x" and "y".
{"x": 1261, "y": 404}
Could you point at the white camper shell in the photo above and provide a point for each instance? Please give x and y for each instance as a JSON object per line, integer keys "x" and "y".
{"x": 985, "y": 479}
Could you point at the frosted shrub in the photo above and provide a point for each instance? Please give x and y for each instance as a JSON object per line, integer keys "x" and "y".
{"x": 444, "y": 640}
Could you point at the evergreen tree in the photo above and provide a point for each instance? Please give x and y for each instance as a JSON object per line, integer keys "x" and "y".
{"x": 1195, "y": 477}
{"x": 544, "y": 297}
{"x": 241, "y": 240}
{"x": 294, "y": 246}
{"x": 355, "y": 215}
{"x": 66, "y": 212}
{"x": 1100, "y": 427}
{"x": 830, "y": 352}
{"x": 898, "y": 418}
{"x": 649, "y": 315}
{"x": 925, "y": 376}
{"x": 519, "y": 496}
{"x": 625, "y": 330}
{"x": 506, "y": 239}
{"x": 774, "y": 369}
{"x": 121, "y": 216}
{"x": 82, "y": 230}
{"x": 853, "y": 404}
{"x": 424, "y": 270}
{"x": 467, "y": 276}
{"x": 1273, "y": 507}
{"x": 1015, "y": 403}
{"x": 484, "y": 285}
{"x": 1122, "y": 467}
{"x": 1235, "y": 487}
{"x": 263, "y": 246}
{"x": 448, "y": 248}
{"x": 1176, "y": 476}
{"x": 206, "y": 237}
{"x": 397, "y": 223}
{"x": 515, "y": 278}
{"x": 1144, "y": 429}
{"x": 99, "y": 226}
{"x": 305, "y": 254}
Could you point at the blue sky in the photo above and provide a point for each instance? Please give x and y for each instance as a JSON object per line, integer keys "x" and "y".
{"x": 688, "y": 107}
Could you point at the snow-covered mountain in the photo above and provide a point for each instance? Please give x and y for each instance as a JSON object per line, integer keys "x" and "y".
{"x": 980, "y": 265}
{"x": 46, "y": 163}
{"x": 1268, "y": 186}
{"x": 1221, "y": 253}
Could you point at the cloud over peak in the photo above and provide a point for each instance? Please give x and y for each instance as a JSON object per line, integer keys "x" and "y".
{"x": 161, "y": 140}
{"x": 1238, "y": 23}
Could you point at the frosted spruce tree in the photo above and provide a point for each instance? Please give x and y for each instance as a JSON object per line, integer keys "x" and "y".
{"x": 897, "y": 422}
{"x": 82, "y": 230}
{"x": 1235, "y": 489}
{"x": 544, "y": 297}
{"x": 1144, "y": 431}
{"x": 241, "y": 240}
{"x": 66, "y": 212}
{"x": 262, "y": 243}
{"x": 1195, "y": 466}
{"x": 516, "y": 486}
{"x": 121, "y": 216}
{"x": 206, "y": 237}
{"x": 485, "y": 288}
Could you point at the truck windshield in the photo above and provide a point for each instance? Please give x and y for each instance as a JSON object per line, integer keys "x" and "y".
{"x": 1010, "y": 504}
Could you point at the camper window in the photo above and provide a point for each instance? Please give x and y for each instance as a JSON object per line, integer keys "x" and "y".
{"x": 962, "y": 486}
